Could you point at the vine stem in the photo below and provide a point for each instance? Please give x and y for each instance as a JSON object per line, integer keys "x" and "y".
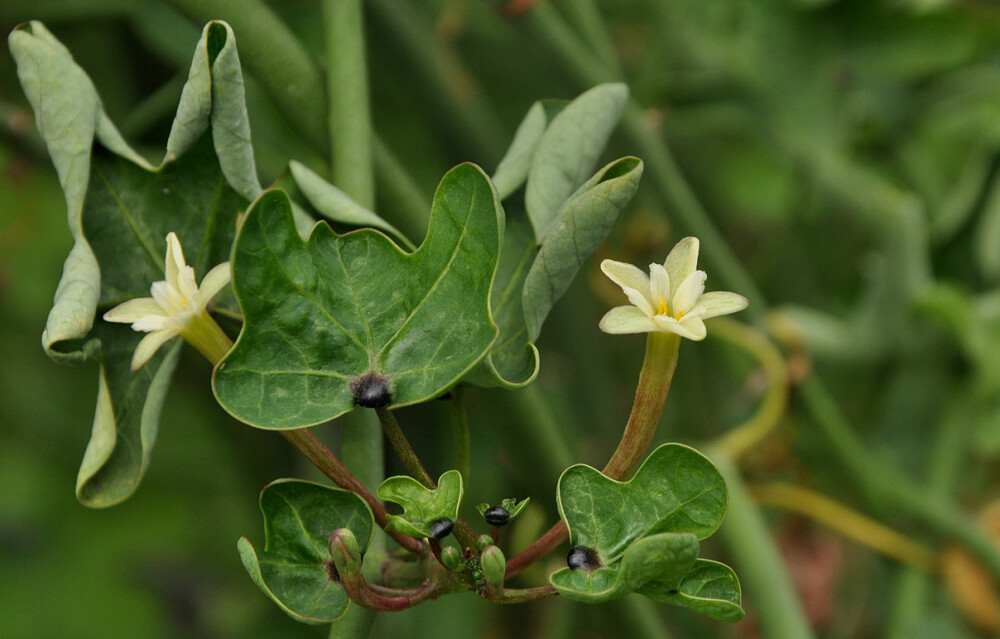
{"x": 463, "y": 532}
{"x": 847, "y": 522}
{"x": 657, "y": 372}
{"x": 460, "y": 432}
{"x": 331, "y": 466}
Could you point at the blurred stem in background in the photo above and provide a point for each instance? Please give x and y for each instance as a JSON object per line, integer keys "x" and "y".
{"x": 351, "y": 151}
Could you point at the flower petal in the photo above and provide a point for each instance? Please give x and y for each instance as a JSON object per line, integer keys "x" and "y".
{"x": 148, "y": 346}
{"x": 633, "y": 281}
{"x": 690, "y": 327}
{"x": 133, "y": 310}
{"x": 681, "y": 262}
{"x": 186, "y": 284}
{"x": 174, "y": 260}
{"x": 167, "y": 297}
{"x": 687, "y": 293}
{"x": 719, "y": 303}
{"x": 659, "y": 284}
{"x": 627, "y": 319}
{"x": 151, "y": 323}
{"x": 215, "y": 280}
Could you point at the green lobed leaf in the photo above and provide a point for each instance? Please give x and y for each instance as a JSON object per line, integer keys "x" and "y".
{"x": 421, "y": 505}
{"x": 119, "y": 209}
{"x": 677, "y": 489}
{"x": 510, "y": 504}
{"x": 664, "y": 558}
{"x": 335, "y": 205}
{"x": 710, "y": 588}
{"x": 295, "y": 569}
{"x": 569, "y": 150}
{"x": 325, "y": 314}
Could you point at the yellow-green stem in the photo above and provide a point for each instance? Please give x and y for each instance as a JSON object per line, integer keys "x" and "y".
{"x": 206, "y": 336}
{"x": 650, "y": 396}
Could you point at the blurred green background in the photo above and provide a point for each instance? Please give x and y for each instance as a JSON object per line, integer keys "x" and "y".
{"x": 846, "y": 150}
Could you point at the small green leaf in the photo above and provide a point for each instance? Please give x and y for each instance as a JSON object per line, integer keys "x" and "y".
{"x": 583, "y": 222}
{"x": 513, "y": 168}
{"x": 677, "y": 489}
{"x": 569, "y": 150}
{"x": 665, "y": 558}
{"x": 422, "y": 506}
{"x": 326, "y": 318}
{"x": 295, "y": 569}
{"x": 334, "y": 204}
{"x": 530, "y": 280}
{"x": 709, "y": 588}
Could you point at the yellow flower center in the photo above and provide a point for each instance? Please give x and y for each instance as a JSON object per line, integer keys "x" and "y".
{"x": 662, "y": 308}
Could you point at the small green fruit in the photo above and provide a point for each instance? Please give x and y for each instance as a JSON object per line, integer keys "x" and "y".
{"x": 452, "y": 559}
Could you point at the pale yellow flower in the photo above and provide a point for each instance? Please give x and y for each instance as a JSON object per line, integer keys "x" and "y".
{"x": 671, "y": 298}
{"x": 177, "y": 306}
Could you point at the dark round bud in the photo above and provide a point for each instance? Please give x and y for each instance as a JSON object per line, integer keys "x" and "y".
{"x": 583, "y": 558}
{"x": 371, "y": 390}
{"x": 441, "y": 528}
{"x": 497, "y": 516}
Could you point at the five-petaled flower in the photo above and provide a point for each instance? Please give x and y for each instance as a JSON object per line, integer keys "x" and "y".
{"x": 671, "y": 298}
{"x": 177, "y": 307}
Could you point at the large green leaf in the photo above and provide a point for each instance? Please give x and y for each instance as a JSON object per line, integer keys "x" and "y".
{"x": 119, "y": 209}
{"x": 642, "y": 535}
{"x": 295, "y": 568}
{"x": 337, "y": 320}
{"x": 709, "y": 588}
{"x": 568, "y": 151}
{"x": 422, "y": 506}
{"x": 677, "y": 489}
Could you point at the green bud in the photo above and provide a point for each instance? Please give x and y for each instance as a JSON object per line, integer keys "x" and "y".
{"x": 345, "y": 550}
{"x": 494, "y": 565}
{"x": 483, "y": 542}
{"x": 452, "y": 559}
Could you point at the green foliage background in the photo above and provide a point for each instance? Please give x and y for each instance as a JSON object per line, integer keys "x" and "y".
{"x": 847, "y": 151}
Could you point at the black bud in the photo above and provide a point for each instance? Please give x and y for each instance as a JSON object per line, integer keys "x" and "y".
{"x": 441, "y": 528}
{"x": 371, "y": 390}
{"x": 583, "y": 558}
{"x": 497, "y": 516}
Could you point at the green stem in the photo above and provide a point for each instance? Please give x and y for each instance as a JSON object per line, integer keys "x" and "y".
{"x": 758, "y": 562}
{"x": 540, "y": 428}
{"x": 650, "y": 396}
{"x": 913, "y": 588}
{"x": 463, "y": 532}
{"x": 524, "y": 595}
{"x": 587, "y": 18}
{"x": 444, "y": 81}
{"x": 347, "y": 90}
{"x": 403, "y": 448}
{"x": 323, "y": 458}
{"x": 460, "y": 432}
